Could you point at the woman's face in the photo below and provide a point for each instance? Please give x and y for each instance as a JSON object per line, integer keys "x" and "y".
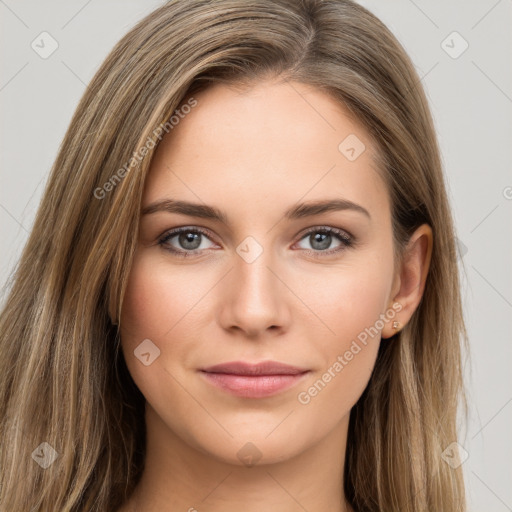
{"x": 267, "y": 281}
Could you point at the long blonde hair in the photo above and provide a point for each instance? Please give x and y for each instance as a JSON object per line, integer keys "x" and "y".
{"x": 63, "y": 379}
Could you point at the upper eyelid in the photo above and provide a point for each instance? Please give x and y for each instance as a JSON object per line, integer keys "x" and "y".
{"x": 170, "y": 233}
{"x": 331, "y": 229}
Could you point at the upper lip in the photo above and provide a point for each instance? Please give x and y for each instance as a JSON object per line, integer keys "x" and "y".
{"x": 262, "y": 368}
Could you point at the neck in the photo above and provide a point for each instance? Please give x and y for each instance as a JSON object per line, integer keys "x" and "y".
{"x": 179, "y": 477}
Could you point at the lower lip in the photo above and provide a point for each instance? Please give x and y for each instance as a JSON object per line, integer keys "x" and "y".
{"x": 253, "y": 386}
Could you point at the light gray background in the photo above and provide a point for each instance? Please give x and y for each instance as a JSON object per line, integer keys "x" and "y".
{"x": 471, "y": 100}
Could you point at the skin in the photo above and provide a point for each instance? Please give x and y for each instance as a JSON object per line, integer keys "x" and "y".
{"x": 254, "y": 154}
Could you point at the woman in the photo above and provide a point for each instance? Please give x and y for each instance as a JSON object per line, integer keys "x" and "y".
{"x": 241, "y": 287}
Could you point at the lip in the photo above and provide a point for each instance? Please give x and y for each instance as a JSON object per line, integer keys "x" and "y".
{"x": 254, "y": 380}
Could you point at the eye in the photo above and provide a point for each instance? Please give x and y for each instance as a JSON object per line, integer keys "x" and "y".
{"x": 321, "y": 239}
{"x": 190, "y": 241}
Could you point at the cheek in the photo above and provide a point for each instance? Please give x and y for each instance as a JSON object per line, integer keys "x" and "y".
{"x": 155, "y": 306}
{"x": 349, "y": 299}
{"x": 352, "y": 305}
{"x": 156, "y": 300}
{"x": 159, "y": 305}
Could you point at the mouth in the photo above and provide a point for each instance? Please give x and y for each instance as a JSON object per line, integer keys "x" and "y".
{"x": 254, "y": 380}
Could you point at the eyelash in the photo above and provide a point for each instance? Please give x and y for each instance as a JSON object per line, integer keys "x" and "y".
{"x": 346, "y": 240}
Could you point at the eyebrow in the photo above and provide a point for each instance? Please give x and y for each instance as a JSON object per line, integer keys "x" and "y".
{"x": 296, "y": 212}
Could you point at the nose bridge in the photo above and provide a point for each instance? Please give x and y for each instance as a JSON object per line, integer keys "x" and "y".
{"x": 255, "y": 299}
{"x": 254, "y": 277}
{"x": 256, "y": 284}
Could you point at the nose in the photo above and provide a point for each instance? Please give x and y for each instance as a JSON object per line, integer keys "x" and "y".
{"x": 254, "y": 298}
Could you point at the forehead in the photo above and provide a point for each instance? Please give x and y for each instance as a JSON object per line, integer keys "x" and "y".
{"x": 269, "y": 145}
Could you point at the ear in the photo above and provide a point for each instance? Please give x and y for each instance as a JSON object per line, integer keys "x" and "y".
{"x": 410, "y": 279}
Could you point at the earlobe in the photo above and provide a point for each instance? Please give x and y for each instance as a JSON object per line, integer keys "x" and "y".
{"x": 412, "y": 278}
{"x": 393, "y": 326}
